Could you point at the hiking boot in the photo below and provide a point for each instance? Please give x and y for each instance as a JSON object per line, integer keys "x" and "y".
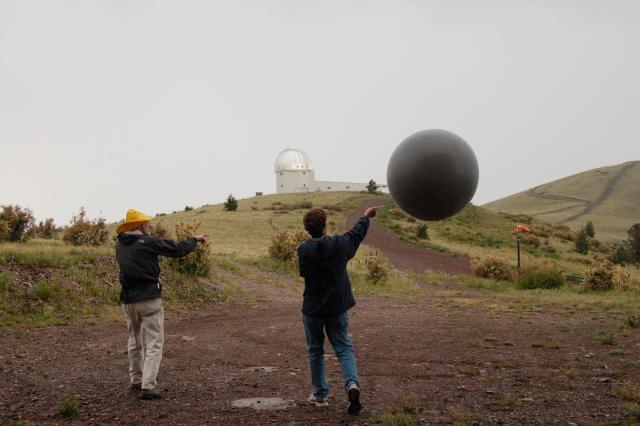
{"x": 135, "y": 387}
{"x": 353, "y": 393}
{"x": 150, "y": 394}
{"x": 317, "y": 401}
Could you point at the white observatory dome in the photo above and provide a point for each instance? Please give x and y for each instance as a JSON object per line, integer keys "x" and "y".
{"x": 292, "y": 159}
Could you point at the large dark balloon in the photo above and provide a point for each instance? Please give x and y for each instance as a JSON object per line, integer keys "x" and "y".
{"x": 432, "y": 174}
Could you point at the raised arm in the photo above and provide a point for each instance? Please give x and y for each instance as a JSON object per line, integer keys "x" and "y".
{"x": 354, "y": 237}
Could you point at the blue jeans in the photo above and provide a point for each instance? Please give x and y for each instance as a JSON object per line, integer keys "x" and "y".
{"x": 337, "y": 329}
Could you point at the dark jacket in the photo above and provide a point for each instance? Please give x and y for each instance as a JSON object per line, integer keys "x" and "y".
{"x": 323, "y": 264}
{"x": 137, "y": 257}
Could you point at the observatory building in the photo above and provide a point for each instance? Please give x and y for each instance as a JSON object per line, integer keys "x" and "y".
{"x": 294, "y": 173}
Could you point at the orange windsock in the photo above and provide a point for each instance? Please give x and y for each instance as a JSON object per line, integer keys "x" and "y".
{"x": 522, "y": 228}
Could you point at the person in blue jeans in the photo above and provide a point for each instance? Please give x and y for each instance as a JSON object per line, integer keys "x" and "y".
{"x": 327, "y": 298}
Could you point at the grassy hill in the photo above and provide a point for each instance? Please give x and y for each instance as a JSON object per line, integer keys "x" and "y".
{"x": 608, "y": 196}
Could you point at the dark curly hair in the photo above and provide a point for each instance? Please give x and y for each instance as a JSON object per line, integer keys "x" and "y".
{"x": 314, "y": 222}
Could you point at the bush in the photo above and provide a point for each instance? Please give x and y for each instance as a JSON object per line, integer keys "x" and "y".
{"x": 199, "y": 261}
{"x": 231, "y": 204}
{"x": 530, "y": 240}
{"x": 397, "y": 214}
{"x": 621, "y": 255}
{"x": 377, "y": 270}
{"x": 590, "y": 229}
{"x": 623, "y": 280}
{"x": 600, "y": 276}
{"x": 83, "y": 232}
{"x": 582, "y": 242}
{"x": 372, "y": 187}
{"x": 284, "y": 245}
{"x": 492, "y": 268}
{"x": 46, "y": 230}
{"x": 68, "y": 407}
{"x": 423, "y": 231}
{"x": 42, "y": 291}
{"x": 541, "y": 278}
{"x": 15, "y": 223}
{"x": 188, "y": 208}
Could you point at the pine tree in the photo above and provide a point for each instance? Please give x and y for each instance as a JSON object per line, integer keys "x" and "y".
{"x": 231, "y": 204}
{"x": 582, "y": 242}
{"x": 590, "y": 230}
{"x": 372, "y": 187}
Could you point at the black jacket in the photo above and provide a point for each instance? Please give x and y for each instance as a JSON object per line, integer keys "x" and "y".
{"x": 323, "y": 264}
{"x": 137, "y": 257}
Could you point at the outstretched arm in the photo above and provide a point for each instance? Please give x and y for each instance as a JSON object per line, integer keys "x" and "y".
{"x": 355, "y": 236}
{"x": 170, "y": 248}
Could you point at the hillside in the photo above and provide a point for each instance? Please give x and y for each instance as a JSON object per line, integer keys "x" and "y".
{"x": 608, "y": 196}
{"x": 247, "y": 232}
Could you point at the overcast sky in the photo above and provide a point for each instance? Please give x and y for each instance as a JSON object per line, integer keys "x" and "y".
{"x": 156, "y": 105}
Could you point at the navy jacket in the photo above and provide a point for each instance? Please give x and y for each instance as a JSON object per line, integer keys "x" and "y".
{"x": 137, "y": 257}
{"x": 323, "y": 264}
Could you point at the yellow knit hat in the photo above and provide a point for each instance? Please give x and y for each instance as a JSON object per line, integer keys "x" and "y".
{"x": 133, "y": 220}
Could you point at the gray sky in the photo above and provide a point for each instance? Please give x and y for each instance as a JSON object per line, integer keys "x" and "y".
{"x": 158, "y": 104}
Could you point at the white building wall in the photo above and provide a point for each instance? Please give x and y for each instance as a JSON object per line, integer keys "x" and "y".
{"x": 338, "y": 186}
{"x": 288, "y": 181}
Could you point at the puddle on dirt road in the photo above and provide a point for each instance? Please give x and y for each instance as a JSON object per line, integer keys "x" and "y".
{"x": 264, "y": 403}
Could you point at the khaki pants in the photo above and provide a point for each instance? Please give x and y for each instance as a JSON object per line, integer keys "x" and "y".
{"x": 145, "y": 324}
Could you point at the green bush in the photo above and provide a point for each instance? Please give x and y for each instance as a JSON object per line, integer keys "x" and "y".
{"x": 16, "y": 223}
{"x": 590, "y": 229}
{"x": 42, "y": 291}
{"x": 599, "y": 276}
{"x": 542, "y": 278}
{"x": 422, "y": 231}
{"x": 621, "y": 255}
{"x": 231, "y": 204}
{"x": 582, "y": 242}
{"x": 46, "y": 230}
{"x": 372, "y": 187}
{"x": 634, "y": 242}
{"x": 84, "y": 232}
{"x": 199, "y": 261}
{"x": 492, "y": 268}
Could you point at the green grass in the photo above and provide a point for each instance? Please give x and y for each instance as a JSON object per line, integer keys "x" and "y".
{"x": 402, "y": 413}
{"x": 50, "y": 253}
{"x": 67, "y": 408}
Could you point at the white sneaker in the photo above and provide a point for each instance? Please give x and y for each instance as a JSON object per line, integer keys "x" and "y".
{"x": 353, "y": 393}
{"x": 317, "y": 401}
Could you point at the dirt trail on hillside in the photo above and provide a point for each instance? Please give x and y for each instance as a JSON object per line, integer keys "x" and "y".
{"x": 466, "y": 355}
{"x": 405, "y": 256}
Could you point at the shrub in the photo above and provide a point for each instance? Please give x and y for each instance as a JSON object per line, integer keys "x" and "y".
{"x": 541, "y": 278}
{"x": 372, "y": 187}
{"x": 398, "y": 214}
{"x": 423, "y": 231}
{"x": 492, "y": 268}
{"x": 530, "y": 239}
{"x": 188, "y": 208}
{"x": 42, "y": 291}
{"x": 231, "y": 205}
{"x": 582, "y": 242}
{"x": 284, "y": 245}
{"x": 46, "y": 230}
{"x": 84, "y": 232}
{"x": 621, "y": 255}
{"x": 68, "y": 407}
{"x": 199, "y": 261}
{"x": 377, "y": 270}
{"x": 600, "y": 276}
{"x": 590, "y": 229}
{"x": 17, "y": 223}
{"x": 623, "y": 280}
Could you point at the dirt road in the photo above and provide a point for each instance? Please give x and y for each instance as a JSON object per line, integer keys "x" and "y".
{"x": 464, "y": 354}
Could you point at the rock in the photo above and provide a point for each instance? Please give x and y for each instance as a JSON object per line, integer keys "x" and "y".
{"x": 265, "y": 403}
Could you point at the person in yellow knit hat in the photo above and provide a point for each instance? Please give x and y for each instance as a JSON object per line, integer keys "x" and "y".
{"x": 137, "y": 254}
